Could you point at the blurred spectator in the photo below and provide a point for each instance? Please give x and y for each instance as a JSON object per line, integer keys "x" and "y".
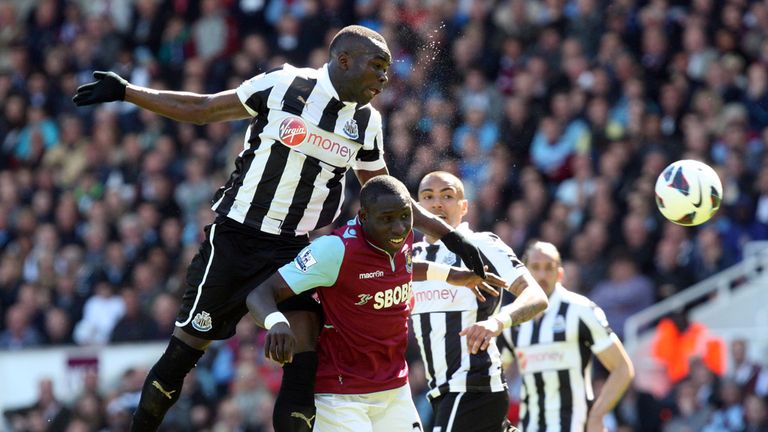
{"x": 689, "y": 415}
{"x": 135, "y": 325}
{"x": 624, "y": 293}
{"x": 18, "y": 332}
{"x": 742, "y": 370}
{"x": 755, "y": 414}
{"x": 58, "y": 327}
{"x": 100, "y": 314}
{"x": 46, "y": 414}
{"x": 730, "y": 416}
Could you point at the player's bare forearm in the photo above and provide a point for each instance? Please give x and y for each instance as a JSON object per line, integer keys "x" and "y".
{"x": 531, "y": 300}
{"x": 263, "y": 299}
{"x": 431, "y": 225}
{"x": 616, "y": 360}
{"x": 188, "y": 107}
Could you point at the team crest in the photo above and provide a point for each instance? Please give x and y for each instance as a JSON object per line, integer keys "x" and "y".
{"x": 202, "y": 322}
{"x": 559, "y": 325}
{"x": 408, "y": 261}
{"x": 350, "y": 128}
{"x": 305, "y": 260}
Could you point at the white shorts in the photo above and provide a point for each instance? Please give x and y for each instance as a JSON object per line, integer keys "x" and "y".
{"x": 386, "y": 411}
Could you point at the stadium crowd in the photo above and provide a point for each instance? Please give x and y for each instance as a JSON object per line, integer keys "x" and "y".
{"x": 557, "y": 114}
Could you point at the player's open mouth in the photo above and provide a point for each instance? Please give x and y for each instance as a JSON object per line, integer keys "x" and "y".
{"x": 374, "y": 91}
{"x": 397, "y": 241}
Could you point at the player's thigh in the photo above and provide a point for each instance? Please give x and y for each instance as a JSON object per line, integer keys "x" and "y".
{"x": 228, "y": 265}
{"x": 341, "y": 413}
{"x": 470, "y": 412}
{"x": 398, "y": 414}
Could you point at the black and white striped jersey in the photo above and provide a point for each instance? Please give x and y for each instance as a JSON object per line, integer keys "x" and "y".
{"x": 442, "y": 310}
{"x": 554, "y": 355}
{"x": 289, "y": 177}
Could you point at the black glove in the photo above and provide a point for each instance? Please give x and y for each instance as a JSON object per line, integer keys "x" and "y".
{"x": 108, "y": 87}
{"x": 468, "y": 252}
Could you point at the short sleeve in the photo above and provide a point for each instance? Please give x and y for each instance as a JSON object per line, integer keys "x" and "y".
{"x": 371, "y": 156}
{"x": 601, "y": 333}
{"x": 254, "y": 92}
{"x": 499, "y": 257}
{"x": 317, "y": 265}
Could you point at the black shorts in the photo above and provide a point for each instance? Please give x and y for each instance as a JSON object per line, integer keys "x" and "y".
{"x": 471, "y": 412}
{"x": 232, "y": 260}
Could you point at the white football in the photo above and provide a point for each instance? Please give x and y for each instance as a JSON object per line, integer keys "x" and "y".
{"x": 688, "y": 192}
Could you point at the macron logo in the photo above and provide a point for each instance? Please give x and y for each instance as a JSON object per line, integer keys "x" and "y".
{"x": 371, "y": 275}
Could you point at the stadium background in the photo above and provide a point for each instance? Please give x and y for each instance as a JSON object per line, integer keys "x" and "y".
{"x": 557, "y": 114}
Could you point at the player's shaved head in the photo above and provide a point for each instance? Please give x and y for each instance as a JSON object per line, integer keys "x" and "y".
{"x": 380, "y": 186}
{"x": 447, "y": 178}
{"x": 545, "y": 248}
{"x": 355, "y": 37}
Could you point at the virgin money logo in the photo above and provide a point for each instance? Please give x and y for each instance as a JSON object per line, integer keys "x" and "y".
{"x": 292, "y": 131}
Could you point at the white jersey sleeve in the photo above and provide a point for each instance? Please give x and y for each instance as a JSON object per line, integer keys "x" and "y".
{"x": 602, "y": 335}
{"x": 501, "y": 259}
{"x": 371, "y": 156}
{"x": 316, "y": 265}
{"x": 249, "y": 92}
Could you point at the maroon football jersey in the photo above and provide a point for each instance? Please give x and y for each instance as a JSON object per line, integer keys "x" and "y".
{"x": 362, "y": 344}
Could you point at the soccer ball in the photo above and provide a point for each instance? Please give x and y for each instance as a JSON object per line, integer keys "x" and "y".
{"x": 688, "y": 192}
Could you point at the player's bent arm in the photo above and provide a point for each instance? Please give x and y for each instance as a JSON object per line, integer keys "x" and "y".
{"x": 262, "y": 306}
{"x": 616, "y": 360}
{"x": 188, "y": 107}
{"x": 263, "y": 300}
{"x": 530, "y": 301}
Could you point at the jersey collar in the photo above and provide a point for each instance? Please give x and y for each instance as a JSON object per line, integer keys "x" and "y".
{"x": 557, "y": 293}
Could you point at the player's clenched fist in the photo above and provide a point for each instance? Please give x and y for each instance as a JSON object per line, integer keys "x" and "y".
{"x": 108, "y": 87}
{"x": 280, "y": 343}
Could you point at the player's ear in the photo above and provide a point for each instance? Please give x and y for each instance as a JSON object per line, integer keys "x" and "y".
{"x": 464, "y": 207}
{"x": 362, "y": 215}
{"x": 344, "y": 60}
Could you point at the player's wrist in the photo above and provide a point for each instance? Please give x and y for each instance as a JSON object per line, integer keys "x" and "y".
{"x": 275, "y": 318}
{"x": 504, "y": 319}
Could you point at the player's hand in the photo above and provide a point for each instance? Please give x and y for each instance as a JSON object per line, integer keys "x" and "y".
{"x": 108, "y": 87}
{"x": 595, "y": 424}
{"x": 490, "y": 283}
{"x": 458, "y": 244}
{"x": 480, "y": 334}
{"x": 280, "y": 343}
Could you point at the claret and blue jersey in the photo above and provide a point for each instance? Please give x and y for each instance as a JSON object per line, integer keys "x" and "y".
{"x": 366, "y": 297}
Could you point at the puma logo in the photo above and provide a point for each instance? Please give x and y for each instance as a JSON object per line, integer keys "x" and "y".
{"x": 302, "y": 100}
{"x": 167, "y": 393}
{"x": 301, "y": 416}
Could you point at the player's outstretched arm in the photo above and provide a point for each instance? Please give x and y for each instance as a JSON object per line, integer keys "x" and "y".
{"x": 455, "y": 241}
{"x": 181, "y": 106}
{"x": 491, "y": 284}
{"x": 262, "y": 306}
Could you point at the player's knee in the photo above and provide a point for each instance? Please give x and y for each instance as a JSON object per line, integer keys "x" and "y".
{"x": 298, "y": 384}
